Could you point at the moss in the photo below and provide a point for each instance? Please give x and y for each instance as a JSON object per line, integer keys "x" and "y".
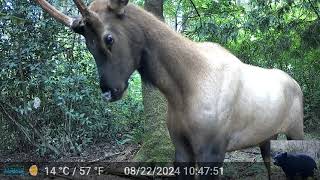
{"x": 157, "y": 147}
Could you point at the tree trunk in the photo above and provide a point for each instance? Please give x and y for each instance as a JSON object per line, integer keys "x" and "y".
{"x": 155, "y": 7}
{"x": 157, "y": 146}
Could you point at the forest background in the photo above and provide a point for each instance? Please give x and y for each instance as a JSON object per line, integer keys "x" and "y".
{"x": 50, "y": 100}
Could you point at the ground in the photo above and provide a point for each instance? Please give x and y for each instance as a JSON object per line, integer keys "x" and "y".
{"x": 243, "y": 164}
{"x": 123, "y": 153}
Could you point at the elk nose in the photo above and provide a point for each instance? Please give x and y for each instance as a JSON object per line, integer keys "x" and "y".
{"x": 115, "y": 90}
{"x": 104, "y": 88}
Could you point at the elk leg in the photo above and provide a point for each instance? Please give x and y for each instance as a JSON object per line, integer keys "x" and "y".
{"x": 265, "y": 153}
{"x": 184, "y": 159}
{"x": 210, "y": 157}
{"x": 295, "y": 133}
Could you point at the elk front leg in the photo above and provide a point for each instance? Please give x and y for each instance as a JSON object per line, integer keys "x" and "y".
{"x": 184, "y": 156}
{"x": 184, "y": 160}
{"x": 211, "y": 155}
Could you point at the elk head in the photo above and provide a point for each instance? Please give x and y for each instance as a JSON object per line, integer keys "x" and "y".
{"x": 112, "y": 37}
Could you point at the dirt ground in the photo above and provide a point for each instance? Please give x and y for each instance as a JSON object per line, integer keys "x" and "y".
{"x": 98, "y": 152}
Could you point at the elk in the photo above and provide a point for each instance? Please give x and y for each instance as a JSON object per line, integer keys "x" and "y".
{"x": 216, "y": 103}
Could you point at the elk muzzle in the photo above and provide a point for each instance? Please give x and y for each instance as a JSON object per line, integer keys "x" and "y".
{"x": 113, "y": 94}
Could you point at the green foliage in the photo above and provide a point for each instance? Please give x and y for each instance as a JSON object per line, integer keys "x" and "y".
{"x": 42, "y": 60}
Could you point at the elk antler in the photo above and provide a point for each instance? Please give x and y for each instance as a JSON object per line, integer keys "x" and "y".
{"x": 82, "y": 8}
{"x": 59, "y": 16}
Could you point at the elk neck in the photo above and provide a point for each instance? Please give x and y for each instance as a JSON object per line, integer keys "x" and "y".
{"x": 170, "y": 61}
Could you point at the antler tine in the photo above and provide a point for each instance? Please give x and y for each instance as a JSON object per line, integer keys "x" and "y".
{"x": 59, "y": 16}
{"x": 82, "y": 8}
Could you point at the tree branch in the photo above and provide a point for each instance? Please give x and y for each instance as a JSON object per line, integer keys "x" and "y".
{"x": 22, "y": 129}
{"x": 195, "y": 8}
{"x": 176, "y": 19}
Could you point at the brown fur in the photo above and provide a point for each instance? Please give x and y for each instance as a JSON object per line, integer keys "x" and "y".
{"x": 172, "y": 53}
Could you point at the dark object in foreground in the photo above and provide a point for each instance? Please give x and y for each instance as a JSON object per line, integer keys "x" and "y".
{"x": 295, "y": 164}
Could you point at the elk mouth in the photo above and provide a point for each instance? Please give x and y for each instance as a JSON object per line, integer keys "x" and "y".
{"x": 114, "y": 94}
{"x": 112, "y": 97}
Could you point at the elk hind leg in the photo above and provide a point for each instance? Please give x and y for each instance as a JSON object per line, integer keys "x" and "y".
{"x": 295, "y": 130}
{"x": 266, "y": 155}
{"x": 295, "y": 133}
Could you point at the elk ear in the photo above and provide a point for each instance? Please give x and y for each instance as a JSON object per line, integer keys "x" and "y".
{"x": 117, "y": 6}
{"x": 78, "y": 26}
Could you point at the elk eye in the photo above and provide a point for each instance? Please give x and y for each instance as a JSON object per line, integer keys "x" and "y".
{"x": 108, "y": 40}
